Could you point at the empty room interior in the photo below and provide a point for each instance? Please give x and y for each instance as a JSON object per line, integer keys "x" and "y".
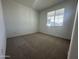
{"x": 38, "y": 29}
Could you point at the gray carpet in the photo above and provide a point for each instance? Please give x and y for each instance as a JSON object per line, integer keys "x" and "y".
{"x": 37, "y": 46}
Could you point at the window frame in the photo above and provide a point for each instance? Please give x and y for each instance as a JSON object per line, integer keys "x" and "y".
{"x": 55, "y": 14}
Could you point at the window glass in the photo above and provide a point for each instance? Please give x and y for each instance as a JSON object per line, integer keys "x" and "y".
{"x": 55, "y": 18}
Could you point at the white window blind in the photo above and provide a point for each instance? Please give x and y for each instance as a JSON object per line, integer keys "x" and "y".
{"x": 55, "y": 18}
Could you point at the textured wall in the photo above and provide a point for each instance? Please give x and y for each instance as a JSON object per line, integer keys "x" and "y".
{"x": 2, "y": 34}
{"x": 19, "y": 19}
{"x": 61, "y": 31}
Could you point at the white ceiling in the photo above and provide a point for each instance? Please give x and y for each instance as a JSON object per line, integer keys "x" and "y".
{"x": 39, "y": 4}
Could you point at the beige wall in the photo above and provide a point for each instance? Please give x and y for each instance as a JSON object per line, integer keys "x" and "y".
{"x": 2, "y": 34}
{"x": 19, "y": 19}
{"x": 64, "y": 31}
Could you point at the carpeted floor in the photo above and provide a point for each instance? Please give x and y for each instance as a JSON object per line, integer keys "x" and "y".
{"x": 37, "y": 46}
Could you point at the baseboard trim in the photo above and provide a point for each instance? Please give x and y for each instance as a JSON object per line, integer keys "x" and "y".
{"x": 22, "y": 35}
{"x": 54, "y": 36}
{"x": 41, "y": 33}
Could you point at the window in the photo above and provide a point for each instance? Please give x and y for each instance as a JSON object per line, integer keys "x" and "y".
{"x": 55, "y": 18}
